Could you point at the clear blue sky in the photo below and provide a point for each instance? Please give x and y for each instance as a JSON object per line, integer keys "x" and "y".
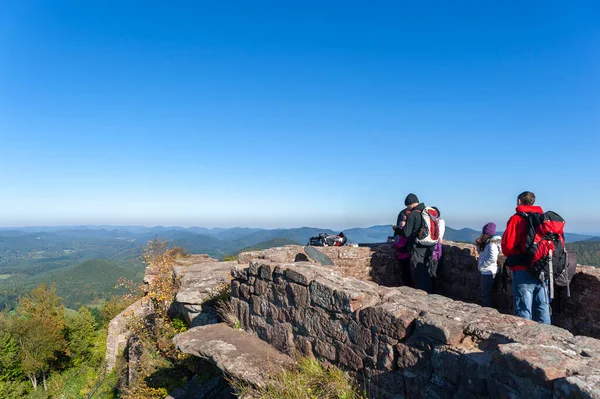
{"x": 287, "y": 114}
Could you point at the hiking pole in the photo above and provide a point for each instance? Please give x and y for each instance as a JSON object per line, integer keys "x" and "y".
{"x": 551, "y": 272}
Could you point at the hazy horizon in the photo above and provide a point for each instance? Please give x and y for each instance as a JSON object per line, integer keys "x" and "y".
{"x": 273, "y": 115}
{"x": 117, "y": 226}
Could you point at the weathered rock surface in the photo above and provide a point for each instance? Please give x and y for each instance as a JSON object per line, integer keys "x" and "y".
{"x": 200, "y": 282}
{"x": 118, "y": 329}
{"x": 399, "y": 341}
{"x": 240, "y": 355}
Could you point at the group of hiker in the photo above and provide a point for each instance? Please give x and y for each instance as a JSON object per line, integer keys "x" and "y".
{"x": 533, "y": 244}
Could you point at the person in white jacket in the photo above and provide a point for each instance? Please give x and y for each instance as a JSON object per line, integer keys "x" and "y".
{"x": 488, "y": 247}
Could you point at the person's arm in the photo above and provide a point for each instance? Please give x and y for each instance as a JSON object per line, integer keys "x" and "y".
{"x": 510, "y": 238}
{"x": 442, "y": 225}
{"x": 411, "y": 225}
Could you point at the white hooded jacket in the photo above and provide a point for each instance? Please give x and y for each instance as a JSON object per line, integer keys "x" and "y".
{"x": 488, "y": 258}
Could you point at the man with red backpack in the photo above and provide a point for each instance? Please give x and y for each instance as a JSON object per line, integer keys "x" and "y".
{"x": 422, "y": 231}
{"x": 534, "y": 247}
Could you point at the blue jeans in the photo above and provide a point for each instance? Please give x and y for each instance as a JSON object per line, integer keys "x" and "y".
{"x": 530, "y": 297}
{"x": 486, "y": 284}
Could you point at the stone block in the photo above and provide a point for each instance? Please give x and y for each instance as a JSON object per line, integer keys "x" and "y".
{"x": 298, "y": 294}
{"x": 266, "y": 272}
{"x": 439, "y": 328}
{"x": 351, "y": 301}
{"x": 253, "y": 268}
{"x": 392, "y": 383}
{"x": 282, "y": 338}
{"x": 277, "y": 294}
{"x": 262, "y": 329}
{"x": 296, "y": 276}
{"x": 258, "y": 306}
{"x": 354, "y": 253}
{"x": 244, "y": 292}
{"x": 333, "y": 328}
{"x": 504, "y": 385}
{"x": 321, "y": 294}
{"x": 325, "y": 350}
{"x": 307, "y": 321}
{"x": 235, "y": 288}
{"x": 587, "y": 386}
{"x": 415, "y": 360}
{"x": 360, "y": 335}
{"x": 385, "y": 357}
{"x": 540, "y": 364}
{"x": 244, "y": 313}
{"x": 260, "y": 287}
{"x": 474, "y": 371}
{"x": 239, "y": 273}
{"x": 417, "y": 386}
{"x": 391, "y": 319}
{"x": 277, "y": 313}
{"x": 304, "y": 345}
{"x": 441, "y": 382}
{"x": 348, "y": 358}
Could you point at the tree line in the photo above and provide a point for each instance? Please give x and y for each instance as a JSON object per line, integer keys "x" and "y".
{"x": 45, "y": 351}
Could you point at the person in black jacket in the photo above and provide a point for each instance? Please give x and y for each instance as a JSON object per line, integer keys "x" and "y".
{"x": 420, "y": 256}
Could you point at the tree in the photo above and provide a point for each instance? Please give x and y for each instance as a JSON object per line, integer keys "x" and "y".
{"x": 39, "y": 331}
{"x": 111, "y": 308}
{"x": 10, "y": 366}
{"x": 81, "y": 334}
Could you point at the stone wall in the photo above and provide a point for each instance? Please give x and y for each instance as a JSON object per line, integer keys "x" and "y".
{"x": 458, "y": 278}
{"x": 402, "y": 342}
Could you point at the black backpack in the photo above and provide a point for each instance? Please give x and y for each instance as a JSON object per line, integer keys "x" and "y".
{"x": 328, "y": 240}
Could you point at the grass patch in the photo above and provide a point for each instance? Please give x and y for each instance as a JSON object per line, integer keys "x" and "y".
{"x": 310, "y": 379}
{"x": 4, "y": 276}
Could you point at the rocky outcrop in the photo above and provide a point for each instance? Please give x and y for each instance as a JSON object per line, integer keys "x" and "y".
{"x": 118, "y": 329}
{"x": 240, "y": 355}
{"x": 199, "y": 283}
{"x": 404, "y": 343}
{"x": 398, "y": 341}
{"x": 199, "y": 277}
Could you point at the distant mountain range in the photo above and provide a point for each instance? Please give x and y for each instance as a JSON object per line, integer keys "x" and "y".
{"x": 86, "y": 261}
{"x": 118, "y": 240}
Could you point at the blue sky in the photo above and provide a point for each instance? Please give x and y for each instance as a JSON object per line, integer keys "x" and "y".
{"x": 281, "y": 114}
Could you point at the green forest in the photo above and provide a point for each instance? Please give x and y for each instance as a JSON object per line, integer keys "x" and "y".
{"x": 47, "y": 352}
{"x": 90, "y": 283}
{"x": 588, "y": 252}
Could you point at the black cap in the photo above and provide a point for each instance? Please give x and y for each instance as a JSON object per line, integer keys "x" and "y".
{"x": 411, "y": 199}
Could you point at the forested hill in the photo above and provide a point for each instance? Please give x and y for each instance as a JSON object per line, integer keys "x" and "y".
{"x": 588, "y": 252}
{"x": 90, "y": 283}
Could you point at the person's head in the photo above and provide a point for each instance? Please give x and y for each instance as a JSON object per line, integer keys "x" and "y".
{"x": 526, "y": 198}
{"x": 411, "y": 201}
{"x": 489, "y": 229}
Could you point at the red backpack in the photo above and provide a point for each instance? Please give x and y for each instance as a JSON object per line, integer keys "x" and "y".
{"x": 429, "y": 233}
{"x": 545, "y": 246}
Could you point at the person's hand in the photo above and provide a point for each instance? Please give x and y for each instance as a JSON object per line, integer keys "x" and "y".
{"x": 477, "y": 241}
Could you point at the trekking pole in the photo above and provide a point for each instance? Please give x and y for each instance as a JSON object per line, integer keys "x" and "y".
{"x": 551, "y": 272}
